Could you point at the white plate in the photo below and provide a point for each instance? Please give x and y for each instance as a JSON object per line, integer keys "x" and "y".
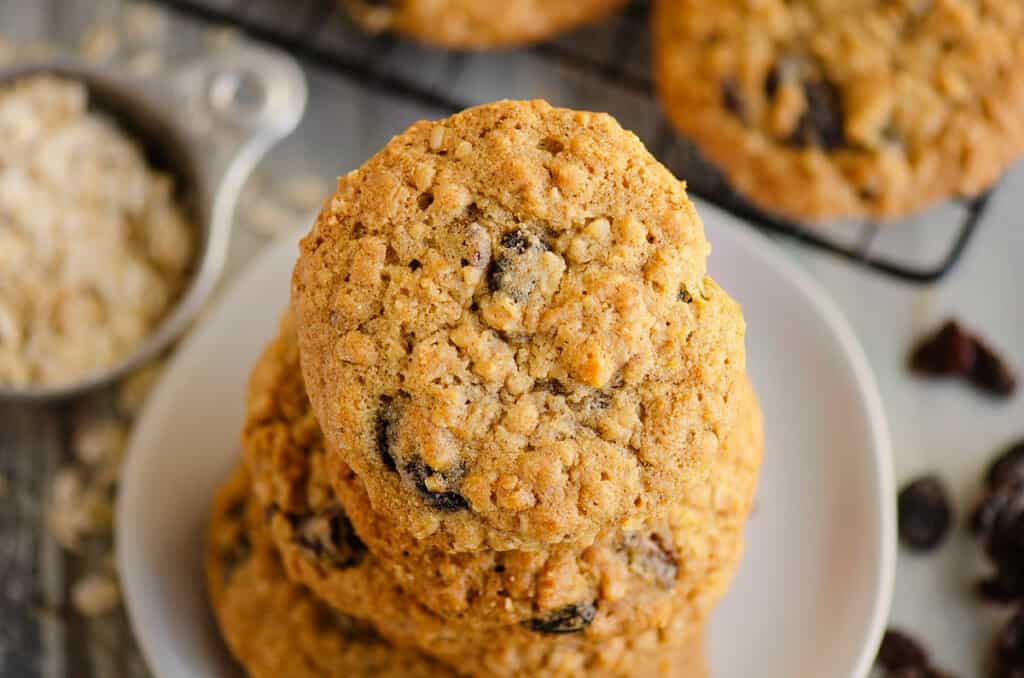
{"x": 811, "y": 596}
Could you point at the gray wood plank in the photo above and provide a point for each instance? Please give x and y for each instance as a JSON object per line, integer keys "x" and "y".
{"x": 31, "y": 441}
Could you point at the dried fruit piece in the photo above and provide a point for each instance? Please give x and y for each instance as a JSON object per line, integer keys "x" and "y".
{"x": 822, "y": 123}
{"x": 447, "y": 501}
{"x": 990, "y": 373}
{"x": 992, "y": 505}
{"x": 1007, "y": 467}
{"x": 733, "y": 99}
{"x": 924, "y": 514}
{"x": 650, "y": 557}
{"x": 1005, "y": 538}
{"x": 1003, "y": 588}
{"x": 899, "y": 650}
{"x": 570, "y": 619}
{"x": 952, "y": 351}
{"x": 329, "y": 537}
{"x": 515, "y": 269}
{"x": 552, "y": 386}
{"x": 1008, "y": 651}
{"x": 389, "y": 414}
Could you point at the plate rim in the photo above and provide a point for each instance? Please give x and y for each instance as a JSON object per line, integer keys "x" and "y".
{"x": 773, "y": 255}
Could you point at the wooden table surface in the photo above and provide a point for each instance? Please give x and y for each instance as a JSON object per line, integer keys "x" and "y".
{"x": 941, "y": 428}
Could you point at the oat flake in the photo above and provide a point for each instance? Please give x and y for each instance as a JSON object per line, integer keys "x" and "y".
{"x": 93, "y": 247}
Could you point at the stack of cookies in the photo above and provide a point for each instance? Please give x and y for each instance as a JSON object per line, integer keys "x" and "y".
{"x": 505, "y": 428}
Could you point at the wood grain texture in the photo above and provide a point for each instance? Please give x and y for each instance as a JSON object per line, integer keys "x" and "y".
{"x": 31, "y": 443}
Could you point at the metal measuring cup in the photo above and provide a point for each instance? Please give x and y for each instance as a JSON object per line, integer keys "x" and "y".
{"x": 207, "y": 122}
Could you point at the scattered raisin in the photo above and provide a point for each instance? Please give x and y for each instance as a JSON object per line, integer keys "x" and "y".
{"x": 899, "y": 650}
{"x": 570, "y": 619}
{"x": 901, "y": 656}
{"x": 994, "y": 504}
{"x": 1008, "y": 651}
{"x": 991, "y": 374}
{"x": 952, "y": 351}
{"x": 443, "y": 501}
{"x": 1007, "y": 467}
{"x": 685, "y": 296}
{"x": 924, "y": 514}
{"x": 415, "y": 265}
{"x": 918, "y": 672}
{"x": 1005, "y": 537}
{"x": 1002, "y": 589}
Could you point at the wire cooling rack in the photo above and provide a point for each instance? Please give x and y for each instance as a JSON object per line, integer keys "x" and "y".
{"x": 605, "y": 67}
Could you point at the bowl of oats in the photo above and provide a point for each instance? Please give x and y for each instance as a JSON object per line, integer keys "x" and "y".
{"x": 116, "y": 200}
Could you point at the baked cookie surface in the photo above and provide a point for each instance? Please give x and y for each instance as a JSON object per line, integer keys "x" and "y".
{"x": 276, "y": 628}
{"x": 825, "y": 109}
{"x": 477, "y": 24}
{"x": 508, "y": 333}
{"x": 556, "y": 611}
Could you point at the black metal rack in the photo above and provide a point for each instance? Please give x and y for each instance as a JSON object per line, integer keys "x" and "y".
{"x": 615, "y": 53}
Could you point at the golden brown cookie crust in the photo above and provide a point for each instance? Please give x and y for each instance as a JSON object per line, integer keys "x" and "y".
{"x": 475, "y": 25}
{"x": 508, "y": 333}
{"x": 828, "y": 109}
{"x": 276, "y": 628}
{"x": 648, "y": 587}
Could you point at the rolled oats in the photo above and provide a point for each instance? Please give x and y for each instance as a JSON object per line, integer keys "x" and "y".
{"x": 93, "y": 246}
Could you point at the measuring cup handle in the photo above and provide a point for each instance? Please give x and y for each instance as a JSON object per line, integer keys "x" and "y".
{"x": 230, "y": 107}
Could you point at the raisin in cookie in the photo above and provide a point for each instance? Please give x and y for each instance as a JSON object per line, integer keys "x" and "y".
{"x": 644, "y": 585}
{"x": 477, "y": 24}
{"x": 276, "y": 628}
{"x": 508, "y": 334}
{"x": 822, "y": 109}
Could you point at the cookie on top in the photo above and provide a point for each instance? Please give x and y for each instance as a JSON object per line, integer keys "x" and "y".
{"x": 508, "y": 334}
